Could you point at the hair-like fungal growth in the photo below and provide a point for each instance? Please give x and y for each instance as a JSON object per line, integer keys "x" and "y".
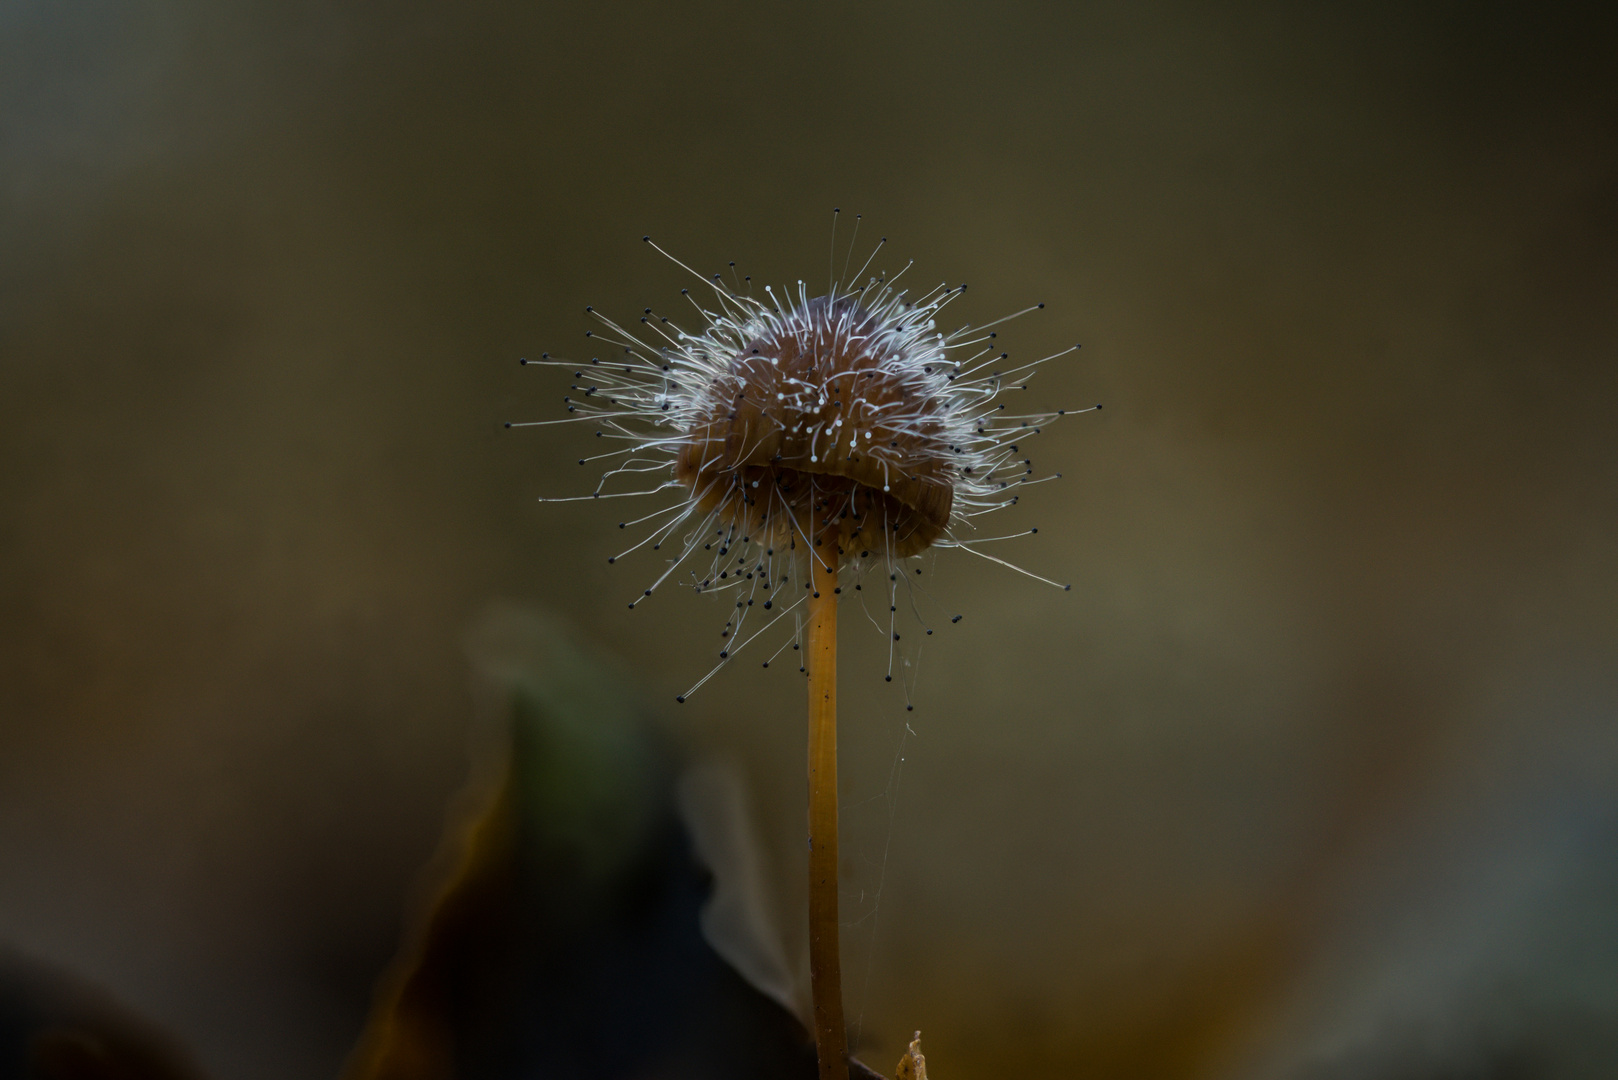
{"x": 847, "y": 426}
{"x": 825, "y": 411}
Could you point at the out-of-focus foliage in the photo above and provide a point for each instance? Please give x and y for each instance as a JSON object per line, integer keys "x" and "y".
{"x": 565, "y": 941}
{"x": 54, "y": 1027}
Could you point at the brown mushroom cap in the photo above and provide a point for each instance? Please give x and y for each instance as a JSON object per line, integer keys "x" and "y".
{"x": 822, "y": 430}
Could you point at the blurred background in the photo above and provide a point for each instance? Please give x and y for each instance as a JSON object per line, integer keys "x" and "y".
{"x": 1314, "y": 773}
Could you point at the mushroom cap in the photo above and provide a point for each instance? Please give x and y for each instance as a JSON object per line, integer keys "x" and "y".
{"x": 823, "y": 426}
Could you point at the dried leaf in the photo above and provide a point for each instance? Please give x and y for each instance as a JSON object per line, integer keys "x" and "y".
{"x": 912, "y": 1066}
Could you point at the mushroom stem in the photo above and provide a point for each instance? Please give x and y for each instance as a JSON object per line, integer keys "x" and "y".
{"x": 825, "y": 965}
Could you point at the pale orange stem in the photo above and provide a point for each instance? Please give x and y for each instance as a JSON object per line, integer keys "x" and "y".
{"x": 825, "y": 965}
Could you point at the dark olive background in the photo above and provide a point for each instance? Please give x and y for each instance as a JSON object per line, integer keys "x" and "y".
{"x": 1321, "y": 740}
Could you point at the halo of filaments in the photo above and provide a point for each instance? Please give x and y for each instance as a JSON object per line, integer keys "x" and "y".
{"x": 789, "y": 427}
